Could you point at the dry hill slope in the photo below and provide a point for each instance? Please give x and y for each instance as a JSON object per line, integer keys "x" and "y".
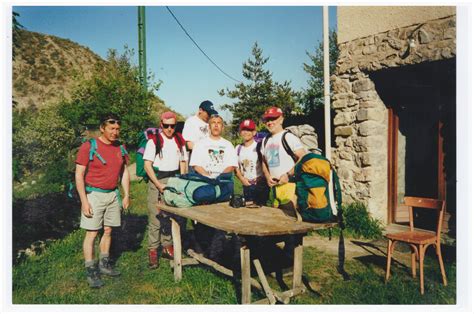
{"x": 47, "y": 68}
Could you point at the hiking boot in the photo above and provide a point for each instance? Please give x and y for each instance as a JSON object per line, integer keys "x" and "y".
{"x": 153, "y": 262}
{"x": 105, "y": 267}
{"x": 168, "y": 252}
{"x": 93, "y": 277}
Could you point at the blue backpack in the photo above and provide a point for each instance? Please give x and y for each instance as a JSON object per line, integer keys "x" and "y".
{"x": 194, "y": 189}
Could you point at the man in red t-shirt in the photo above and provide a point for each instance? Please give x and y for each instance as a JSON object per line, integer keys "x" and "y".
{"x": 99, "y": 194}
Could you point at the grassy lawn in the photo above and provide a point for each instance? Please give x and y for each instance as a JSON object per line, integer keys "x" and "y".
{"x": 57, "y": 277}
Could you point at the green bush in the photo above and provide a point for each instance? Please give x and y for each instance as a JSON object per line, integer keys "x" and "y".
{"x": 42, "y": 139}
{"x": 358, "y": 222}
{"x": 113, "y": 87}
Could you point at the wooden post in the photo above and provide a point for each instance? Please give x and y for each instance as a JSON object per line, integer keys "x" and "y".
{"x": 298, "y": 264}
{"x": 245, "y": 266}
{"x": 176, "y": 234}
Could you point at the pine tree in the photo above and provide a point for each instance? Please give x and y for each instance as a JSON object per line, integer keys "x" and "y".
{"x": 16, "y": 27}
{"x": 313, "y": 96}
{"x": 253, "y": 98}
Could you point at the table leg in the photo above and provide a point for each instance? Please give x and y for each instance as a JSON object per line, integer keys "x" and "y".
{"x": 298, "y": 264}
{"x": 176, "y": 234}
{"x": 263, "y": 280}
{"x": 245, "y": 270}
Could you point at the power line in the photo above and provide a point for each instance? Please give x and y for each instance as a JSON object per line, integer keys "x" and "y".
{"x": 195, "y": 43}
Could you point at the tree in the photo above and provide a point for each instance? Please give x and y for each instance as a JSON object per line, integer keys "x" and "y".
{"x": 42, "y": 139}
{"x": 113, "y": 87}
{"x": 16, "y": 27}
{"x": 260, "y": 93}
{"x": 313, "y": 96}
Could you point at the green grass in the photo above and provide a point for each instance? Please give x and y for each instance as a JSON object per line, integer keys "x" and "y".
{"x": 57, "y": 277}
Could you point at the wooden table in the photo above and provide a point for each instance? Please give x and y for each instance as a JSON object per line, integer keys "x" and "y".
{"x": 262, "y": 221}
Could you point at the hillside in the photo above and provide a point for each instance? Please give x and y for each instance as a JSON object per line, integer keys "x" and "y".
{"x": 47, "y": 68}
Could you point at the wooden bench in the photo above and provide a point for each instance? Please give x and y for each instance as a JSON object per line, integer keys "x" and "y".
{"x": 260, "y": 222}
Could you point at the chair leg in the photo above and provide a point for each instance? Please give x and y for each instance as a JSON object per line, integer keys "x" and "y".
{"x": 414, "y": 253}
{"x": 422, "y": 259}
{"x": 389, "y": 257}
{"x": 441, "y": 264}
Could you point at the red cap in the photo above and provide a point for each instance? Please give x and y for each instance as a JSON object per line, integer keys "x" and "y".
{"x": 168, "y": 115}
{"x": 272, "y": 112}
{"x": 247, "y": 124}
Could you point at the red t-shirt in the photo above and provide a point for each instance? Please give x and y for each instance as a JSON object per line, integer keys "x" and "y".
{"x": 103, "y": 176}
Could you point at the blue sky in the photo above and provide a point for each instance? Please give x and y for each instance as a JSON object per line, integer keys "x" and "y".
{"x": 225, "y": 33}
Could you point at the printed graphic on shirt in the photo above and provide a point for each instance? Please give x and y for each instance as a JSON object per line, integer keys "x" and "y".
{"x": 248, "y": 168}
{"x": 204, "y": 129}
{"x": 216, "y": 158}
{"x": 272, "y": 155}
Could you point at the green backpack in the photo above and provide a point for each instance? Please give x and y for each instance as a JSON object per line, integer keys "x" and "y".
{"x": 312, "y": 174}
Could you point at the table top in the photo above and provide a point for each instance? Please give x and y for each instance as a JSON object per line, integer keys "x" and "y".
{"x": 261, "y": 221}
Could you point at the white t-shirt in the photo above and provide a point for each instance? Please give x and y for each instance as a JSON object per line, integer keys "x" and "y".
{"x": 195, "y": 129}
{"x": 170, "y": 154}
{"x": 278, "y": 160}
{"x": 214, "y": 155}
{"x": 248, "y": 161}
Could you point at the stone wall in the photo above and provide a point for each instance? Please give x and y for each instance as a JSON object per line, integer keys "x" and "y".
{"x": 361, "y": 121}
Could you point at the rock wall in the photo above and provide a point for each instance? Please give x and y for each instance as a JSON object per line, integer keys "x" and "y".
{"x": 361, "y": 121}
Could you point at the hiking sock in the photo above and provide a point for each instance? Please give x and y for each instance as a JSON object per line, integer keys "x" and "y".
{"x": 89, "y": 263}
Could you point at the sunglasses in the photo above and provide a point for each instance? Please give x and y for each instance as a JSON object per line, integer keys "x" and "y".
{"x": 112, "y": 121}
{"x": 166, "y": 126}
{"x": 270, "y": 119}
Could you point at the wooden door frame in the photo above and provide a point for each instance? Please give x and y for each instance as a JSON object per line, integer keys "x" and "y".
{"x": 392, "y": 178}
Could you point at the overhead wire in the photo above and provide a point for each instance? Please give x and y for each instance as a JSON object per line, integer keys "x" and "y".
{"x": 196, "y": 44}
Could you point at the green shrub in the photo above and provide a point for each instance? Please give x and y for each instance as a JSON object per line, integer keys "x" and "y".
{"x": 43, "y": 138}
{"x": 358, "y": 222}
{"x": 57, "y": 172}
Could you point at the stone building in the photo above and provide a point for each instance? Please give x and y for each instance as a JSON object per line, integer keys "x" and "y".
{"x": 394, "y": 95}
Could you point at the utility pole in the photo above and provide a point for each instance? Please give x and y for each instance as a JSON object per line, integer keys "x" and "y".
{"x": 142, "y": 46}
{"x": 327, "y": 100}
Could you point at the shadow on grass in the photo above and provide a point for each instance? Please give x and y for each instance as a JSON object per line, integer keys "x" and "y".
{"x": 377, "y": 254}
{"x": 53, "y": 216}
{"x": 50, "y": 216}
{"x": 129, "y": 236}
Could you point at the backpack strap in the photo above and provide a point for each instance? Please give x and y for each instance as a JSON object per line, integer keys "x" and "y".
{"x": 158, "y": 140}
{"x": 123, "y": 150}
{"x": 239, "y": 148}
{"x": 179, "y": 139}
{"x": 287, "y": 147}
{"x": 93, "y": 151}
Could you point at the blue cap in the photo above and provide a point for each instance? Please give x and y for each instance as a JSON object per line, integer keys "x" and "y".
{"x": 208, "y": 107}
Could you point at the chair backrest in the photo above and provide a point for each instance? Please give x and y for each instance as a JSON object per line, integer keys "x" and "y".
{"x": 429, "y": 203}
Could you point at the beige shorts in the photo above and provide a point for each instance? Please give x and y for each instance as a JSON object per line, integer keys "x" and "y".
{"x": 105, "y": 211}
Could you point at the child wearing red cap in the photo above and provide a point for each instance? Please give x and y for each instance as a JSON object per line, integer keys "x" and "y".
{"x": 249, "y": 170}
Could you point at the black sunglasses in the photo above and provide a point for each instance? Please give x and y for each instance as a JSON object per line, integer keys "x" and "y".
{"x": 112, "y": 121}
{"x": 166, "y": 126}
{"x": 269, "y": 119}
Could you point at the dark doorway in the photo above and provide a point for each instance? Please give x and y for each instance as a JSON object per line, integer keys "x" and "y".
{"x": 421, "y": 100}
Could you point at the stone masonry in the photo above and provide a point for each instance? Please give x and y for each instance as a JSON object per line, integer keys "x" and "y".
{"x": 361, "y": 121}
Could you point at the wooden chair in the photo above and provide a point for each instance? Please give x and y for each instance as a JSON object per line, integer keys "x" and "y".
{"x": 417, "y": 239}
